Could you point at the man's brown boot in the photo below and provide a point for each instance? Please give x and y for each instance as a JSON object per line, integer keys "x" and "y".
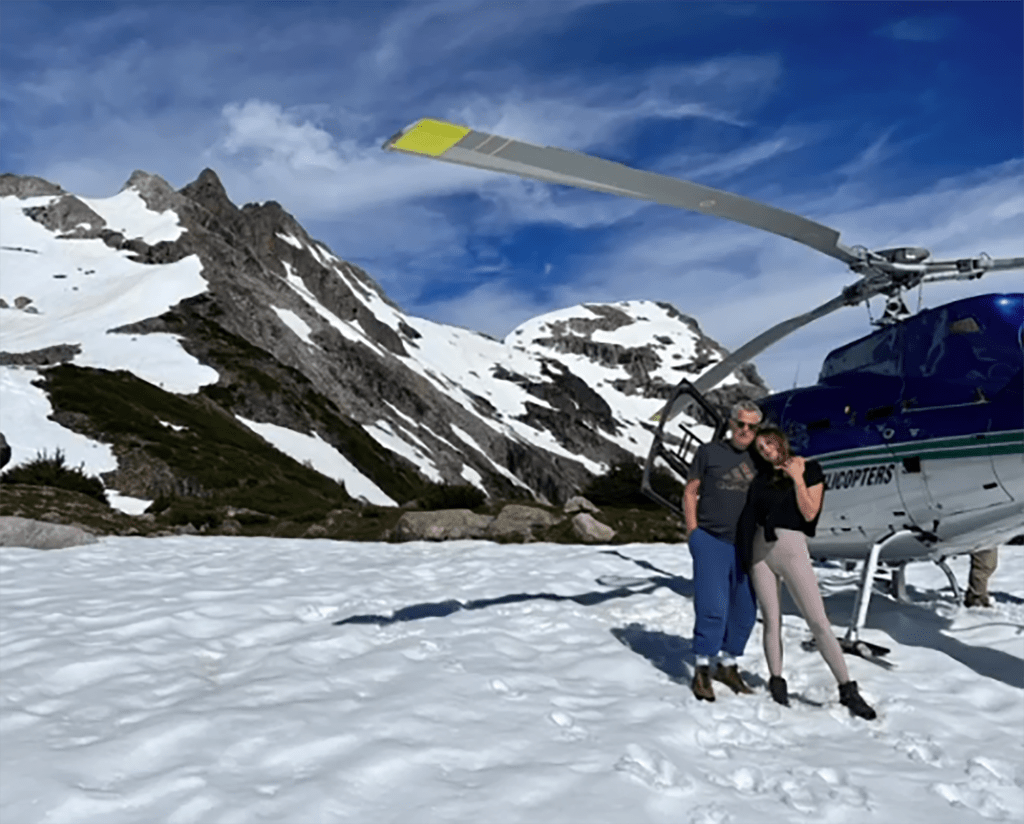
{"x": 702, "y": 684}
{"x": 730, "y": 676}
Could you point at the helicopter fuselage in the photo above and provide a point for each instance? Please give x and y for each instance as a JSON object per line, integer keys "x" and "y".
{"x": 918, "y": 426}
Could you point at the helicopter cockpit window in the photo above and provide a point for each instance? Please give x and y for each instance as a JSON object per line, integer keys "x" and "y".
{"x": 964, "y": 326}
{"x": 879, "y": 353}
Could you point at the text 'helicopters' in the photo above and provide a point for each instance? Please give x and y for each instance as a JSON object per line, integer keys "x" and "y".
{"x": 919, "y": 426}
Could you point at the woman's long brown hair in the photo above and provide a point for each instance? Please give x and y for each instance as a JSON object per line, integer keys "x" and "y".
{"x": 781, "y": 441}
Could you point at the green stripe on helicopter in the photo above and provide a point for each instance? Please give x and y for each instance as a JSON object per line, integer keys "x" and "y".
{"x": 997, "y": 443}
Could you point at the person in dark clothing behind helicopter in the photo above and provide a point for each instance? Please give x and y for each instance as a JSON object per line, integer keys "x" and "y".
{"x": 723, "y": 599}
{"x": 983, "y": 564}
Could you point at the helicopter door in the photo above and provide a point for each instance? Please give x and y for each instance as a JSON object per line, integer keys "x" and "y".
{"x": 676, "y": 444}
{"x": 944, "y": 476}
{"x": 915, "y": 503}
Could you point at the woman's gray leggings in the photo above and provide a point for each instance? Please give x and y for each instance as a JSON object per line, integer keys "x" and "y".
{"x": 787, "y": 560}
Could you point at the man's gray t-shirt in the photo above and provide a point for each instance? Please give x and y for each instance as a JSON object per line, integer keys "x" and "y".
{"x": 724, "y": 473}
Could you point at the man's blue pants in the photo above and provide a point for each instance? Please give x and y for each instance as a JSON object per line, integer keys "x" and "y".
{"x": 723, "y": 597}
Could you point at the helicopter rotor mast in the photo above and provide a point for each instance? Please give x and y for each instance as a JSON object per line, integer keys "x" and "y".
{"x": 885, "y": 271}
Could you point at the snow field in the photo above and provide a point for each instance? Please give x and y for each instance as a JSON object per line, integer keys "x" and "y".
{"x": 189, "y": 679}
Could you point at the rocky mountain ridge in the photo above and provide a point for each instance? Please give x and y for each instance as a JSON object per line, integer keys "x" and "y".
{"x": 286, "y": 337}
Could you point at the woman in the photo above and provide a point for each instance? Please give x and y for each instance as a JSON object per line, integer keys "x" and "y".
{"x": 783, "y": 506}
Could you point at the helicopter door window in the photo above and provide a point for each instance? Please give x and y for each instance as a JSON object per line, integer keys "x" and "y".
{"x": 964, "y": 326}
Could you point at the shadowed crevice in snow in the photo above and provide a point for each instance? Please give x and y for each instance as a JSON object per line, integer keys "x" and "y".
{"x": 441, "y": 609}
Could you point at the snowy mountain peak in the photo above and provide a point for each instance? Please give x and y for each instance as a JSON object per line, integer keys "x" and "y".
{"x": 240, "y": 309}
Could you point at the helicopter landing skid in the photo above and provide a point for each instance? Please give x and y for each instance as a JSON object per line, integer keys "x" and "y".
{"x": 862, "y": 649}
{"x": 851, "y": 643}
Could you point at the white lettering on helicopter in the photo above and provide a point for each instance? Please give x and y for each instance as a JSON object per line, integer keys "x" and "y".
{"x": 862, "y": 476}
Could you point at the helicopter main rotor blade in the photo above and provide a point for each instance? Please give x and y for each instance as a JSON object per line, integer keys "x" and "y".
{"x": 720, "y": 371}
{"x": 465, "y": 146}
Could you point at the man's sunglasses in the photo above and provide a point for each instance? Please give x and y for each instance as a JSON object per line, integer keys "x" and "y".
{"x": 741, "y": 425}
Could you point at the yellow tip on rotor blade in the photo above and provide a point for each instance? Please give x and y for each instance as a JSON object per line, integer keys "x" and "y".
{"x": 430, "y": 137}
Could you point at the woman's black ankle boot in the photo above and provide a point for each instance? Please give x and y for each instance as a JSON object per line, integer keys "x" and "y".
{"x": 850, "y": 698}
{"x": 778, "y": 689}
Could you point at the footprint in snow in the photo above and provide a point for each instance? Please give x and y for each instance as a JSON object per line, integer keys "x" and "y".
{"x": 567, "y": 724}
{"x": 1003, "y": 773}
{"x": 807, "y": 791}
{"x": 311, "y": 613}
{"x": 504, "y": 690}
{"x": 653, "y": 769}
{"x": 990, "y": 782}
{"x": 750, "y": 733}
{"x": 422, "y": 651}
{"x": 920, "y": 748}
{"x": 709, "y": 814}
{"x": 963, "y": 795}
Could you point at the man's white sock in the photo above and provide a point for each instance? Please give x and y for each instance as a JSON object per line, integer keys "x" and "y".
{"x": 703, "y": 661}
{"x": 726, "y": 660}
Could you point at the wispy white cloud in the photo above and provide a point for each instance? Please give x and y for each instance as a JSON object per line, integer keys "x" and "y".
{"x": 278, "y": 138}
{"x": 931, "y": 28}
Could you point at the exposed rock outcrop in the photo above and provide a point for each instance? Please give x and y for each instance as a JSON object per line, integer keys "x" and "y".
{"x": 32, "y": 534}
{"x": 590, "y": 530}
{"x": 442, "y": 525}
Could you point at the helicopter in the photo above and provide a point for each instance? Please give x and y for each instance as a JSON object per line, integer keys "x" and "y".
{"x": 918, "y": 426}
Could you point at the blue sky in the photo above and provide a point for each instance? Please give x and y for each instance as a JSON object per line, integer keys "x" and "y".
{"x": 896, "y": 123}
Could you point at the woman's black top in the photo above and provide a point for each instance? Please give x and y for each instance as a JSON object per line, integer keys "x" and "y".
{"x": 771, "y": 503}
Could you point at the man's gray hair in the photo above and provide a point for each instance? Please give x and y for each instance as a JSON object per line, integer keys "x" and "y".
{"x": 745, "y": 406}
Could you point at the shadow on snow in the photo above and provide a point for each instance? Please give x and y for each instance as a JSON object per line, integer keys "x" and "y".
{"x": 907, "y": 624}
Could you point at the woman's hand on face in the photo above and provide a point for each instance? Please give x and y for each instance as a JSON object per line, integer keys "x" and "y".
{"x": 794, "y": 467}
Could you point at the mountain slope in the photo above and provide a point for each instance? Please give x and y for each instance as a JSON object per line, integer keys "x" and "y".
{"x": 240, "y": 313}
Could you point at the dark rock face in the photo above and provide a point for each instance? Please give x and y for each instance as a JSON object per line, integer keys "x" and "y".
{"x": 24, "y": 186}
{"x": 61, "y": 353}
{"x": 69, "y": 216}
{"x": 355, "y": 370}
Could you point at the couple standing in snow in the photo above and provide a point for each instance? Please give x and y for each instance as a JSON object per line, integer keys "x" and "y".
{"x": 748, "y": 516}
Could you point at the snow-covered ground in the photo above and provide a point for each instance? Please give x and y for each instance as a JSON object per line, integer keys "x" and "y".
{"x": 219, "y": 680}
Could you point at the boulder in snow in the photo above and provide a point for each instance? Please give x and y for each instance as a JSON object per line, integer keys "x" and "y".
{"x": 518, "y": 521}
{"x": 578, "y": 503}
{"x": 441, "y": 525}
{"x": 590, "y": 530}
{"x": 32, "y": 534}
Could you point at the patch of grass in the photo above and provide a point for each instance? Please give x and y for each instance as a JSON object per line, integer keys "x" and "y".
{"x": 44, "y": 470}
{"x": 440, "y": 496}
{"x": 65, "y": 506}
{"x": 228, "y": 463}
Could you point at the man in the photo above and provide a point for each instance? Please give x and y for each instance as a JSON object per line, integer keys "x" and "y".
{"x": 716, "y": 490}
